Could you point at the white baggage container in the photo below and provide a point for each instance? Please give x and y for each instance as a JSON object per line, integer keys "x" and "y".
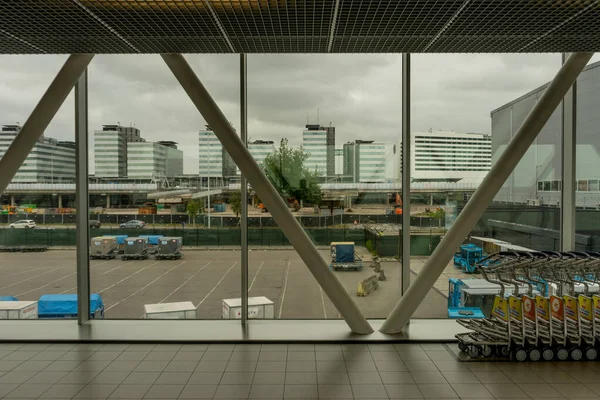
{"x": 181, "y": 310}
{"x": 258, "y": 308}
{"x": 18, "y": 309}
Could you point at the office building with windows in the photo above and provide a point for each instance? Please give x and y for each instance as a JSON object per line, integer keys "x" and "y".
{"x": 319, "y": 142}
{"x": 50, "y": 160}
{"x": 213, "y": 159}
{"x": 110, "y": 150}
{"x": 365, "y": 162}
{"x": 174, "y": 158}
{"x": 153, "y": 160}
{"x": 259, "y": 149}
{"x": 449, "y": 156}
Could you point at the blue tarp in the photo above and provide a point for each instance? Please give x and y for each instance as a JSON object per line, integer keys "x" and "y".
{"x": 120, "y": 238}
{"x": 152, "y": 239}
{"x": 64, "y": 305}
{"x": 8, "y": 298}
{"x": 344, "y": 253}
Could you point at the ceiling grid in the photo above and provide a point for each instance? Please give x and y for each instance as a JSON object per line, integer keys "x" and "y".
{"x": 298, "y": 26}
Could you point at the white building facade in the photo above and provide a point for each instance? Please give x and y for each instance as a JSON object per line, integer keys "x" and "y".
{"x": 365, "y": 161}
{"x": 210, "y": 155}
{"x": 146, "y": 160}
{"x": 50, "y": 160}
{"x": 315, "y": 143}
{"x": 449, "y": 156}
{"x": 110, "y": 153}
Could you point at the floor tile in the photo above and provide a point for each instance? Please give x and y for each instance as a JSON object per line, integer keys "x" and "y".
{"x": 391, "y": 366}
{"x": 198, "y": 392}
{"x": 437, "y": 391}
{"x": 114, "y": 347}
{"x": 335, "y": 392}
{"x": 414, "y": 356}
{"x": 385, "y": 356}
{"x": 6, "y": 388}
{"x": 491, "y": 377}
{"x": 78, "y": 377}
{"x": 96, "y": 392}
{"x": 301, "y": 392}
{"x": 266, "y": 392}
{"x": 420, "y": 366}
{"x": 164, "y": 392}
{"x": 270, "y": 366}
{"x": 333, "y": 378}
{"x": 434, "y": 347}
{"x": 323, "y": 366}
{"x": 109, "y": 377}
{"x": 301, "y": 366}
{"x": 220, "y": 348}
{"x": 269, "y": 378}
{"x": 140, "y": 347}
{"x": 239, "y": 366}
{"x": 9, "y": 365}
{"x": 205, "y": 378}
{"x": 356, "y": 366}
{"x": 443, "y": 355}
{"x": 167, "y": 348}
{"x": 76, "y": 356}
{"x": 274, "y": 347}
{"x": 92, "y": 365}
{"x": 188, "y": 356}
{"x": 381, "y": 347}
{"x": 48, "y": 355}
{"x": 272, "y": 356}
{"x": 160, "y": 356}
{"x": 539, "y": 390}
{"x": 237, "y": 378}
{"x": 460, "y": 377}
{"x": 585, "y": 376}
{"x": 396, "y": 378}
{"x": 30, "y": 391}
{"x": 47, "y": 377}
{"x": 104, "y": 355}
{"x": 573, "y": 390}
{"x": 173, "y": 378}
{"x": 216, "y": 356}
{"x": 152, "y": 366}
{"x": 123, "y": 366}
{"x": 300, "y": 348}
{"x": 504, "y": 390}
{"x": 335, "y": 356}
{"x": 247, "y": 347}
{"x": 132, "y": 356}
{"x": 209, "y": 366}
{"x": 428, "y": 377}
{"x": 232, "y": 392}
{"x": 471, "y": 390}
{"x": 140, "y": 378}
{"x": 301, "y": 378}
{"x": 181, "y": 366}
{"x": 364, "y": 378}
{"x": 403, "y": 392}
{"x": 369, "y": 392}
{"x": 304, "y": 356}
{"x": 327, "y": 347}
{"x": 16, "y": 376}
{"x": 245, "y": 356}
{"x": 451, "y": 366}
{"x": 130, "y": 392}
{"x": 20, "y": 355}
{"x": 355, "y": 347}
{"x": 60, "y": 391}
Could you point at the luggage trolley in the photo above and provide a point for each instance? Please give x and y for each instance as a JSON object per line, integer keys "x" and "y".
{"x": 135, "y": 248}
{"x": 169, "y": 248}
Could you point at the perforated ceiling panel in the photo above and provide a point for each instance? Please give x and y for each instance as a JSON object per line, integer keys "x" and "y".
{"x": 298, "y": 26}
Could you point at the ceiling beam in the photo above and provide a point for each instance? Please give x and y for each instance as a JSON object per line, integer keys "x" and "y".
{"x": 217, "y": 22}
{"x": 22, "y": 41}
{"x": 446, "y": 26}
{"x": 336, "y": 8}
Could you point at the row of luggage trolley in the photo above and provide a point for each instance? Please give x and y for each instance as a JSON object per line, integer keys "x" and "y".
{"x": 136, "y": 248}
{"x": 552, "y": 311}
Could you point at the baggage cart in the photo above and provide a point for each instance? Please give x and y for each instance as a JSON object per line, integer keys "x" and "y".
{"x": 104, "y": 247}
{"x": 258, "y": 308}
{"x": 169, "y": 248}
{"x": 180, "y": 310}
{"x": 344, "y": 257}
{"x": 153, "y": 241}
{"x": 18, "y": 310}
{"x": 64, "y": 306}
{"x": 120, "y": 241}
{"x": 136, "y": 248}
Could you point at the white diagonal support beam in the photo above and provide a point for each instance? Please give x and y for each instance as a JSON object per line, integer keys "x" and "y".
{"x": 261, "y": 185}
{"x": 41, "y": 116}
{"x": 489, "y": 187}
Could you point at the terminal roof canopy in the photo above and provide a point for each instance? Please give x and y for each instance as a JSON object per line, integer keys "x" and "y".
{"x": 298, "y": 26}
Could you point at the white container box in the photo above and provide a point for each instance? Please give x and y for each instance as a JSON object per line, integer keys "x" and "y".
{"x": 18, "y": 309}
{"x": 258, "y": 308}
{"x": 181, "y": 310}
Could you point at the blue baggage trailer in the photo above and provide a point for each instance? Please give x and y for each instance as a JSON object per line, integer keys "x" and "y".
{"x": 64, "y": 306}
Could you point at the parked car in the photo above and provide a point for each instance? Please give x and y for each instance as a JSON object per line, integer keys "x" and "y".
{"x": 23, "y": 224}
{"x": 133, "y": 224}
{"x": 95, "y": 224}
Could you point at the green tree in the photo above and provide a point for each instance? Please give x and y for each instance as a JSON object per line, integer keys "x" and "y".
{"x": 236, "y": 203}
{"x": 288, "y": 173}
{"x": 194, "y": 208}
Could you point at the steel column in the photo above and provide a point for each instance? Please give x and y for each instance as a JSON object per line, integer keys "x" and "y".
{"x": 568, "y": 158}
{"x": 506, "y": 163}
{"x": 278, "y": 209}
{"x": 406, "y": 157}
{"x": 244, "y": 185}
{"x": 82, "y": 199}
{"x": 41, "y": 116}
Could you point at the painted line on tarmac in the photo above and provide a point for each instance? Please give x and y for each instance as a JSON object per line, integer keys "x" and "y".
{"x": 24, "y": 272}
{"x": 117, "y": 267}
{"x": 255, "y": 275}
{"x": 48, "y": 284}
{"x": 142, "y": 288}
{"x": 187, "y": 280}
{"x": 97, "y": 265}
{"x": 34, "y": 277}
{"x": 218, "y": 283}
{"x": 323, "y": 301}
{"x": 287, "y": 274}
{"x": 127, "y": 277}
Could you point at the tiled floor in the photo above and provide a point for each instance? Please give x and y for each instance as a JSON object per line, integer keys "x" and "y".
{"x": 403, "y": 371}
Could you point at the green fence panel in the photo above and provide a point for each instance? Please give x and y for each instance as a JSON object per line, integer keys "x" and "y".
{"x": 254, "y": 236}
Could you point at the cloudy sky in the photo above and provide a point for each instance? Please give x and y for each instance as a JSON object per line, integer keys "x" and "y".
{"x": 359, "y": 94}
